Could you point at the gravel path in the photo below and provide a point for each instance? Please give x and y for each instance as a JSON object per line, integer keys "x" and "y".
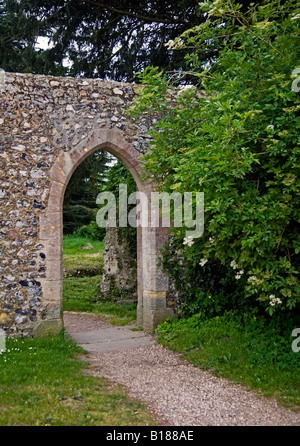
{"x": 175, "y": 391}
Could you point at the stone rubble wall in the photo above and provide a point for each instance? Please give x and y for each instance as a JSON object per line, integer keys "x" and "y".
{"x": 119, "y": 280}
{"x": 42, "y": 117}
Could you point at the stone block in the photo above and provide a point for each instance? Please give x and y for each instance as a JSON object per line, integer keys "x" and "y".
{"x": 62, "y": 168}
{"x": 53, "y": 250}
{"x": 47, "y": 328}
{"x": 56, "y": 197}
{"x": 155, "y": 309}
{"x": 54, "y": 269}
{"x": 51, "y": 226}
{"x": 155, "y": 280}
{"x": 52, "y": 291}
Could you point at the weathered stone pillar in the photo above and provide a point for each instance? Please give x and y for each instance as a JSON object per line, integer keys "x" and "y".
{"x": 155, "y": 281}
{"x": 140, "y": 285}
{"x": 51, "y": 235}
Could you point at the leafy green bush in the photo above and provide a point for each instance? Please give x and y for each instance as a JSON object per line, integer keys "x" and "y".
{"x": 235, "y": 137}
{"x": 210, "y": 289}
{"x": 266, "y": 341}
{"x": 92, "y": 230}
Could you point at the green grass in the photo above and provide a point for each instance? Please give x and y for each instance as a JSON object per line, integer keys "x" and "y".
{"x": 43, "y": 383}
{"x": 82, "y": 262}
{"x": 80, "y": 294}
{"x": 245, "y": 349}
{"x": 82, "y": 279}
{"x": 72, "y": 245}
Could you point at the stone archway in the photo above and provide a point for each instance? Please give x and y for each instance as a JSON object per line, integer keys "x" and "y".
{"x": 48, "y": 127}
{"x": 152, "y": 283}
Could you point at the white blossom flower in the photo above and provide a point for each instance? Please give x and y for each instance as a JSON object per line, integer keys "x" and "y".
{"x": 233, "y": 264}
{"x": 202, "y": 262}
{"x": 297, "y": 16}
{"x": 274, "y": 300}
{"x": 211, "y": 239}
{"x": 239, "y": 274}
{"x": 184, "y": 88}
{"x": 270, "y": 127}
{"x": 174, "y": 44}
{"x": 169, "y": 44}
{"x": 188, "y": 241}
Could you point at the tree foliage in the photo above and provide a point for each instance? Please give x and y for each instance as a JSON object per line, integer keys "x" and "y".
{"x": 235, "y": 137}
{"x": 111, "y": 39}
{"x": 19, "y": 30}
{"x": 92, "y": 38}
{"x": 80, "y": 197}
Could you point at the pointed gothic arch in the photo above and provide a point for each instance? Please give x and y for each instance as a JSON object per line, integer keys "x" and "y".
{"x": 152, "y": 282}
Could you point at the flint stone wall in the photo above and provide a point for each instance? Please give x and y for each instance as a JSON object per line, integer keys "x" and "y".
{"x": 48, "y": 126}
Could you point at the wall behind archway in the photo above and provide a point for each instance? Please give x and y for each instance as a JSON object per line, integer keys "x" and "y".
{"x": 48, "y": 126}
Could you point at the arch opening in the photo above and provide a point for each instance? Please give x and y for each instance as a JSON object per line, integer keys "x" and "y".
{"x": 152, "y": 283}
{"x": 99, "y": 263}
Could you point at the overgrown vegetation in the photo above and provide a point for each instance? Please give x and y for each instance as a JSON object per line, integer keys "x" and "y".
{"x": 44, "y": 384}
{"x": 235, "y": 137}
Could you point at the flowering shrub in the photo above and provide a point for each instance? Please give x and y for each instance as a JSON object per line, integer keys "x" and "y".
{"x": 239, "y": 144}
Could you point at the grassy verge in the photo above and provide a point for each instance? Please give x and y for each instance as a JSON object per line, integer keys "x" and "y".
{"x": 243, "y": 348}
{"x": 42, "y": 383}
{"x": 83, "y": 268}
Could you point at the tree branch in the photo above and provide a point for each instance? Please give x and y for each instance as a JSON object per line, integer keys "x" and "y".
{"x": 135, "y": 16}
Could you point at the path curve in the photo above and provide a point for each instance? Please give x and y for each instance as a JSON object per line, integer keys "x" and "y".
{"x": 176, "y": 391}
